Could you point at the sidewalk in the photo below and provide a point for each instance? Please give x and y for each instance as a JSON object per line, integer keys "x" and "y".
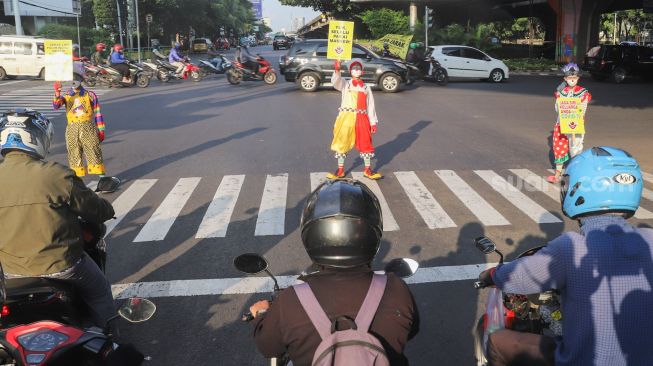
{"x": 536, "y": 73}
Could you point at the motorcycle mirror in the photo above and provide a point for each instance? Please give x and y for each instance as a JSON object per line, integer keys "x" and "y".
{"x": 402, "y": 267}
{"x": 136, "y": 310}
{"x": 485, "y": 245}
{"x": 250, "y": 263}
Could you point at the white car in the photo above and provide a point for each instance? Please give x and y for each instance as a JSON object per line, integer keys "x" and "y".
{"x": 468, "y": 62}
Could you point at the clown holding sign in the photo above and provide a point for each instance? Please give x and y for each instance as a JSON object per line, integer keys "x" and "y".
{"x": 569, "y": 130}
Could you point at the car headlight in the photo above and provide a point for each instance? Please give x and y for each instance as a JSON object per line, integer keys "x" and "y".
{"x": 400, "y": 65}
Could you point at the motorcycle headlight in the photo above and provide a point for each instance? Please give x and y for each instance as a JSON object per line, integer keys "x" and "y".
{"x": 400, "y": 65}
{"x": 42, "y": 340}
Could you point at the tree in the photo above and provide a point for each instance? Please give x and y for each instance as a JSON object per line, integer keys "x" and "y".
{"x": 105, "y": 13}
{"x": 341, "y": 9}
{"x": 385, "y": 21}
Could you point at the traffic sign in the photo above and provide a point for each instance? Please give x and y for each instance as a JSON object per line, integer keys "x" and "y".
{"x": 148, "y": 18}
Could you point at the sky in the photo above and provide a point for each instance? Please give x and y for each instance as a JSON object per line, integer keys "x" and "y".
{"x": 281, "y": 16}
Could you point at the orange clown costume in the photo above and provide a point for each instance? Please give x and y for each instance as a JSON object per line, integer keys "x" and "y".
{"x": 356, "y": 121}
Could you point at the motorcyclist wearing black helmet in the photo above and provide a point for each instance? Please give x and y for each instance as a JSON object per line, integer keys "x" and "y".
{"x": 341, "y": 229}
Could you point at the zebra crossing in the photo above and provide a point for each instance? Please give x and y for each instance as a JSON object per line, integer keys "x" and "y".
{"x": 524, "y": 191}
{"x": 38, "y": 98}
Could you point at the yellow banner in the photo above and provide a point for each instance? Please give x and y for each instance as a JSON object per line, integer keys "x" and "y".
{"x": 58, "y": 60}
{"x": 571, "y": 116}
{"x": 341, "y": 39}
{"x": 397, "y": 44}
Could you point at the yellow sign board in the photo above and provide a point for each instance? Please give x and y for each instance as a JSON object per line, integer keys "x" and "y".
{"x": 58, "y": 60}
{"x": 341, "y": 40}
{"x": 397, "y": 44}
{"x": 571, "y": 115}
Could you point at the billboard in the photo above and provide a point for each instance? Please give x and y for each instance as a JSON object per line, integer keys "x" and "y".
{"x": 257, "y": 8}
{"x": 46, "y": 8}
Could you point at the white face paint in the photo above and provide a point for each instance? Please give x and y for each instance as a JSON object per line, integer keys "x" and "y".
{"x": 572, "y": 80}
{"x": 356, "y": 71}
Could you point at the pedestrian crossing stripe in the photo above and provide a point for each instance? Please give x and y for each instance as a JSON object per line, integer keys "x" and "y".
{"x": 272, "y": 209}
{"x": 37, "y": 98}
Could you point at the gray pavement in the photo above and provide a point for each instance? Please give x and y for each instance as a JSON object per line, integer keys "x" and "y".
{"x": 210, "y": 140}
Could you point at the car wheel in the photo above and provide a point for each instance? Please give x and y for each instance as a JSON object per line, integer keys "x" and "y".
{"x": 496, "y": 76}
{"x": 598, "y": 77}
{"x": 3, "y": 74}
{"x": 390, "y": 83}
{"x": 309, "y": 81}
{"x": 619, "y": 75}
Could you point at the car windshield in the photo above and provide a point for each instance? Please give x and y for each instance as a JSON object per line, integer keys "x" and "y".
{"x": 369, "y": 51}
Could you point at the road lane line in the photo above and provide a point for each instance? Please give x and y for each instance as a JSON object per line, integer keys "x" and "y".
{"x": 92, "y": 185}
{"x": 389, "y": 222}
{"x": 128, "y": 199}
{"x": 272, "y": 211}
{"x": 253, "y": 285}
{"x": 317, "y": 179}
{"x": 647, "y": 177}
{"x": 536, "y": 212}
{"x": 539, "y": 183}
{"x": 432, "y": 213}
{"x": 3, "y": 83}
{"x": 217, "y": 216}
{"x": 157, "y": 227}
{"x": 474, "y": 202}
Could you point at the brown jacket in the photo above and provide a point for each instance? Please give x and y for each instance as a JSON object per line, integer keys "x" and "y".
{"x": 39, "y": 206}
{"x": 286, "y": 327}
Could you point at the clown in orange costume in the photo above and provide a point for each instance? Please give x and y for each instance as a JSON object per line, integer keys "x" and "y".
{"x": 356, "y": 121}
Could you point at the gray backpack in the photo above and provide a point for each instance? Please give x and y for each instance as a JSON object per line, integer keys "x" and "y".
{"x": 355, "y": 346}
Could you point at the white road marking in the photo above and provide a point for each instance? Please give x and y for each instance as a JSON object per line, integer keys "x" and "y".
{"x": 157, "y": 227}
{"x": 317, "y": 179}
{"x": 272, "y": 211}
{"x": 474, "y": 202}
{"x": 11, "y": 82}
{"x": 252, "y": 285}
{"x": 536, "y": 212}
{"x": 389, "y": 222}
{"x": 433, "y": 214}
{"x": 647, "y": 177}
{"x": 92, "y": 185}
{"x": 217, "y": 216}
{"x": 128, "y": 199}
{"x": 539, "y": 183}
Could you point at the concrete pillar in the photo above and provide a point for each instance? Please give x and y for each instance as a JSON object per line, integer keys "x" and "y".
{"x": 578, "y": 20}
{"x": 413, "y": 16}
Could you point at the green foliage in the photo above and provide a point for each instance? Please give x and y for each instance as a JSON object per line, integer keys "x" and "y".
{"x": 105, "y": 13}
{"x": 531, "y": 64}
{"x": 384, "y": 21}
{"x": 89, "y": 36}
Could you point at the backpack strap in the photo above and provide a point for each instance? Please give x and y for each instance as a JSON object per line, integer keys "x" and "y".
{"x": 313, "y": 309}
{"x": 371, "y": 302}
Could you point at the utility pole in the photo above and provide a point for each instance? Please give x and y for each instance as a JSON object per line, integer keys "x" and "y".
{"x": 614, "y": 29}
{"x": 19, "y": 25}
{"x": 138, "y": 32}
{"x": 426, "y": 27}
{"x": 119, "y": 23}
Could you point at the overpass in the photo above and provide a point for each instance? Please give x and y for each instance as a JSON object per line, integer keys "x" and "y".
{"x": 572, "y": 24}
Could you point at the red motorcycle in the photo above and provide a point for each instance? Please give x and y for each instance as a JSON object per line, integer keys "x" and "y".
{"x": 240, "y": 72}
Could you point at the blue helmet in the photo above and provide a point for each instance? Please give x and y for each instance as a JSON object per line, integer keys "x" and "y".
{"x": 25, "y": 130}
{"x": 601, "y": 180}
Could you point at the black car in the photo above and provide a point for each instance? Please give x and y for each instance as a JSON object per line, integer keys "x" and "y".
{"x": 619, "y": 62}
{"x": 280, "y": 41}
{"x": 307, "y": 65}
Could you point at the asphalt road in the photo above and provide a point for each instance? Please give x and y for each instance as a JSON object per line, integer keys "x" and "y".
{"x": 212, "y": 170}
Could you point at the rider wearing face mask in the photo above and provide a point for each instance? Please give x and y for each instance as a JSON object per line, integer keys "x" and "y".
{"x": 604, "y": 274}
{"x": 341, "y": 229}
{"x": 40, "y": 203}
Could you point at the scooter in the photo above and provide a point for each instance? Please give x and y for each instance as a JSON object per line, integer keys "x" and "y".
{"x": 538, "y": 314}
{"x": 107, "y": 75}
{"x": 217, "y": 65}
{"x": 433, "y": 71}
{"x": 240, "y": 72}
{"x": 167, "y": 71}
{"x": 252, "y": 264}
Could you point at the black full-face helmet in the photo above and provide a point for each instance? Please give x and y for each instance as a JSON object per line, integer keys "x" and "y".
{"x": 342, "y": 224}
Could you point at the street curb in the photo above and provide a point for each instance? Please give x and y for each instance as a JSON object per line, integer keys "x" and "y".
{"x": 536, "y": 73}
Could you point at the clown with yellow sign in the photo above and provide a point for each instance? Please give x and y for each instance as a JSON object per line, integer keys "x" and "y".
{"x": 569, "y": 130}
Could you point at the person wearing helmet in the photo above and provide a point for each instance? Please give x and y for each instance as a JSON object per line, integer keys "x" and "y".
{"x": 119, "y": 62}
{"x": 176, "y": 59}
{"x": 76, "y": 55}
{"x": 604, "y": 274}
{"x": 356, "y": 121}
{"x": 341, "y": 229}
{"x": 40, "y": 203}
{"x": 386, "y": 50}
{"x": 84, "y": 132}
{"x": 98, "y": 58}
{"x": 562, "y": 147}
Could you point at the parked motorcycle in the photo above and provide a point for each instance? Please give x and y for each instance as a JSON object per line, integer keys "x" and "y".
{"x": 252, "y": 263}
{"x": 217, "y": 65}
{"x": 433, "y": 71}
{"x": 107, "y": 75}
{"x": 43, "y": 320}
{"x": 240, "y": 72}
{"x": 538, "y": 314}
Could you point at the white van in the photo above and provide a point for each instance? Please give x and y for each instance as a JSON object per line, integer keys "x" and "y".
{"x": 21, "y": 56}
